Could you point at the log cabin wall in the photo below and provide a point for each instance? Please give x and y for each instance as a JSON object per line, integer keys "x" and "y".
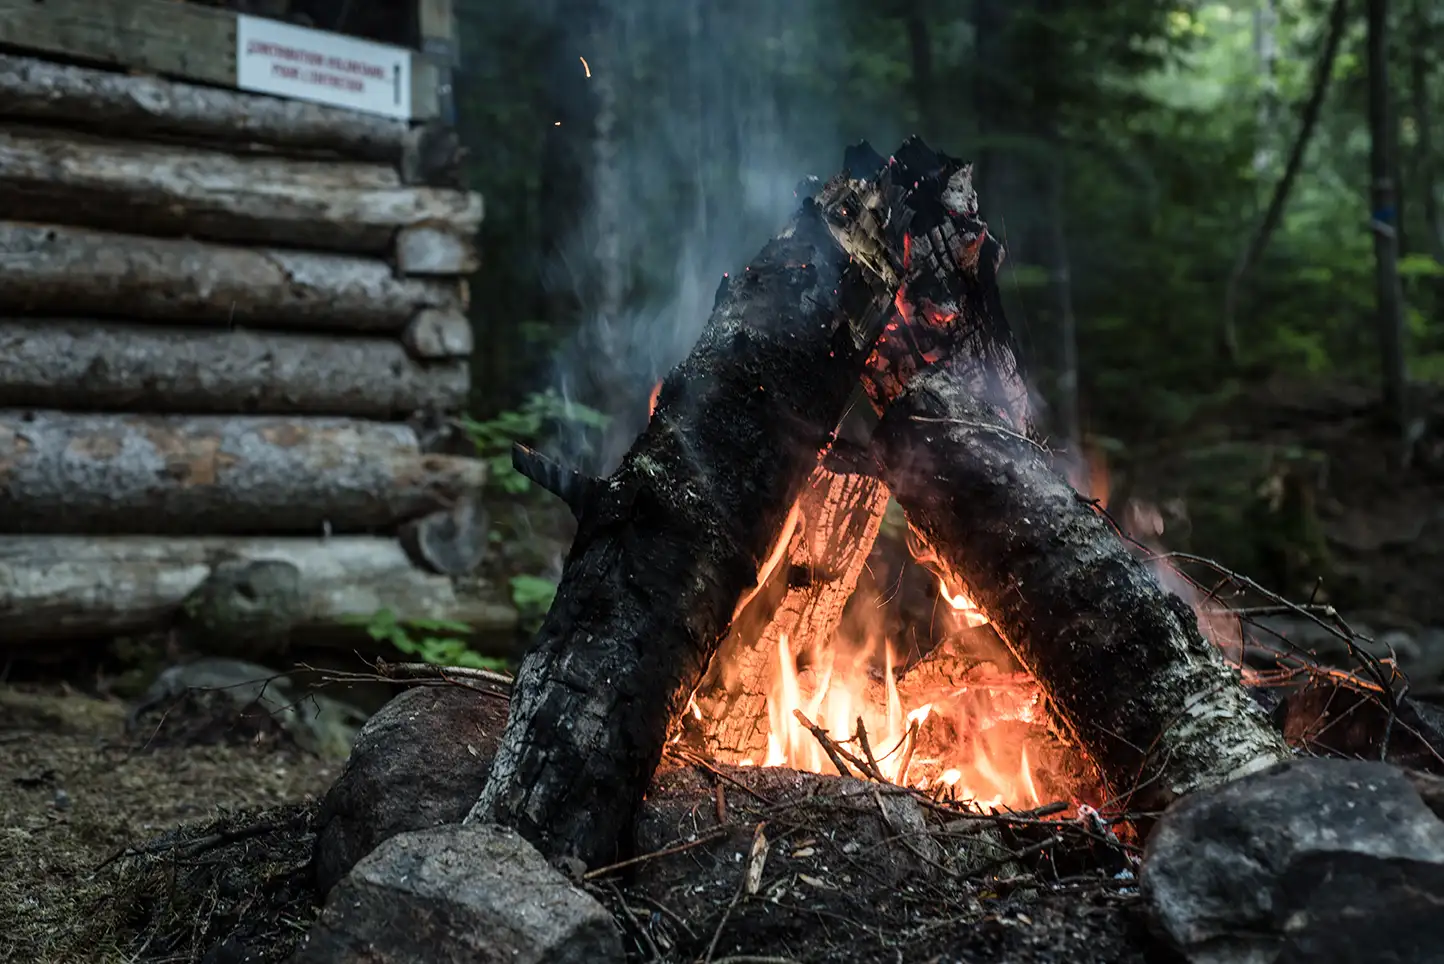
{"x": 223, "y": 315}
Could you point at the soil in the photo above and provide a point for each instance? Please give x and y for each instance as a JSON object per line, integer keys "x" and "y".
{"x": 77, "y": 790}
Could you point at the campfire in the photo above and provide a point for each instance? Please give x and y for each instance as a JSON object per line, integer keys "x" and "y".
{"x": 712, "y": 607}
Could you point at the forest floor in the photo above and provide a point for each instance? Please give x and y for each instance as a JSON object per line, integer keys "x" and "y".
{"x": 77, "y": 789}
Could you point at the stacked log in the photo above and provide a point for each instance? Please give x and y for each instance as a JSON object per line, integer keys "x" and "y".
{"x": 218, "y": 312}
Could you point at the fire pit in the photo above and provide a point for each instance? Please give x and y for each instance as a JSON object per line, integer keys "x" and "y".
{"x": 703, "y": 602}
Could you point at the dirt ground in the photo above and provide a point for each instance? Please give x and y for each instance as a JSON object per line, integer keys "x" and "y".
{"x": 76, "y": 790}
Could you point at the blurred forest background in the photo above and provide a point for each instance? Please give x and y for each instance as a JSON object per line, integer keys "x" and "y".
{"x": 1228, "y": 358}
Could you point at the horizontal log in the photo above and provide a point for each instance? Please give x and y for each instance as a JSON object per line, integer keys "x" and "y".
{"x": 54, "y": 269}
{"x": 107, "y": 366}
{"x": 1124, "y": 666}
{"x": 431, "y": 249}
{"x": 188, "y": 40}
{"x": 182, "y": 191}
{"x": 66, "y": 473}
{"x": 439, "y": 334}
{"x": 139, "y": 106}
{"x": 84, "y": 587}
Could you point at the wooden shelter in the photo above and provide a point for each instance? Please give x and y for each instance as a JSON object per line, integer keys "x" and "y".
{"x": 233, "y": 253}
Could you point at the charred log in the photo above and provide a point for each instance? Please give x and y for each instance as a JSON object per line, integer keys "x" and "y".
{"x": 1121, "y": 660}
{"x": 669, "y": 543}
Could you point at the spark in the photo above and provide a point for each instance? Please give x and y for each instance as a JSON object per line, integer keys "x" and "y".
{"x": 586, "y": 66}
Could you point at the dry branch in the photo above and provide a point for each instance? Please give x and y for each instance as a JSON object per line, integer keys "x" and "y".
{"x": 140, "y": 106}
{"x": 101, "y": 366}
{"x": 1120, "y": 658}
{"x": 181, "y": 191}
{"x": 53, "y": 269}
{"x": 83, "y": 587}
{"x": 68, "y": 473}
{"x": 668, "y": 544}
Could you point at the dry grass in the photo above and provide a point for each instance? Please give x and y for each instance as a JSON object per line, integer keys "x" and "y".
{"x": 75, "y": 791}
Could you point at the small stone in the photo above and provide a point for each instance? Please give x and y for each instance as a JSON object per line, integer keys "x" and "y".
{"x": 478, "y": 894}
{"x": 61, "y": 800}
{"x": 1305, "y": 861}
{"x": 420, "y": 762}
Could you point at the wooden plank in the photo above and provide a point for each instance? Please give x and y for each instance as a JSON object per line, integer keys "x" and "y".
{"x": 88, "y": 365}
{"x": 182, "y": 40}
{"x": 84, "y": 587}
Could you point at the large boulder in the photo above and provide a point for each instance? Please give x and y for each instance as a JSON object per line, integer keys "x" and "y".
{"x": 420, "y": 762}
{"x": 1311, "y": 860}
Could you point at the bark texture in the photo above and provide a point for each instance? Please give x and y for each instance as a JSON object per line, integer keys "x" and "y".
{"x": 55, "y": 269}
{"x": 439, "y": 334}
{"x": 180, "y": 191}
{"x": 138, "y": 106}
{"x": 434, "y": 249}
{"x": 838, "y": 520}
{"x": 100, "y": 366}
{"x": 83, "y": 587}
{"x": 1124, "y": 666}
{"x": 668, "y": 544}
{"x": 69, "y": 473}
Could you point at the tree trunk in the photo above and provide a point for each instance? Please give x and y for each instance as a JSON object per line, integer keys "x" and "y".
{"x": 1389, "y": 296}
{"x": 838, "y": 520}
{"x": 65, "y": 473}
{"x": 1421, "y": 45}
{"x": 142, "y": 106}
{"x": 1125, "y": 668}
{"x": 668, "y": 544}
{"x": 102, "y": 366}
{"x": 1258, "y": 241}
{"x": 84, "y": 587}
{"x": 50, "y": 269}
{"x": 1069, "y": 407}
{"x": 179, "y": 191}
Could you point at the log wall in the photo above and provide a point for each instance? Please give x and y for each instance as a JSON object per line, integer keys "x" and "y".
{"x": 219, "y": 313}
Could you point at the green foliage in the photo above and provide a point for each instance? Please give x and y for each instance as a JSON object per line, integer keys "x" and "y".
{"x": 532, "y": 596}
{"x": 436, "y": 641}
{"x": 541, "y": 411}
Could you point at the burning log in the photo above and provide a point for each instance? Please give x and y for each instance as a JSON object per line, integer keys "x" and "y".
{"x": 1123, "y": 664}
{"x": 670, "y": 542}
{"x": 836, "y": 521}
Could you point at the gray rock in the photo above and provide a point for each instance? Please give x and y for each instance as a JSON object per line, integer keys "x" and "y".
{"x": 1271, "y": 867}
{"x": 318, "y": 723}
{"x": 419, "y": 762}
{"x": 475, "y": 894}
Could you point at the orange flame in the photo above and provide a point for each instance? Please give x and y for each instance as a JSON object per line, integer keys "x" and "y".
{"x": 652, "y": 400}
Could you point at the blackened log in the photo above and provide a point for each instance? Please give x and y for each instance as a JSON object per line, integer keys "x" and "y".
{"x": 669, "y": 543}
{"x": 1121, "y": 659}
{"x": 838, "y": 520}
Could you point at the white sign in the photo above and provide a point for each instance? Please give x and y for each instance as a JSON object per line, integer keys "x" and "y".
{"x": 304, "y": 64}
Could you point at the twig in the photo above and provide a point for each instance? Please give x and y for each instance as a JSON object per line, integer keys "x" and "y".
{"x": 709, "y": 837}
{"x": 687, "y": 756}
{"x": 1011, "y": 856}
{"x": 736, "y": 896}
{"x": 830, "y": 747}
{"x": 636, "y": 924}
{"x": 873, "y": 769}
{"x": 907, "y": 758}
